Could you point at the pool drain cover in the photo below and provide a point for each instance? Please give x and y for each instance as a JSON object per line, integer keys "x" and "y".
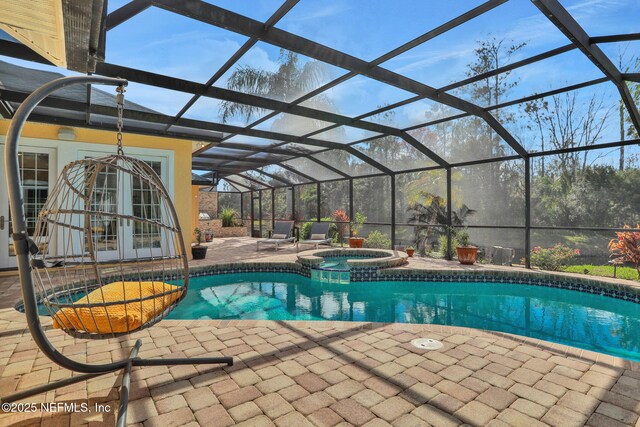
{"x": 426, "y": 343}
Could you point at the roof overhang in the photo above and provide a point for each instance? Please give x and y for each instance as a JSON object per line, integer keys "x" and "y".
{"x": 68, "y": 33}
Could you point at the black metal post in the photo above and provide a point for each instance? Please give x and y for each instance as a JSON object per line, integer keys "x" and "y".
{"x": 260, "y": 210}
{"x": 350, "y": 203}
{"x": 527, "y": 212}
{"x": 318, "y": 201}
{"x": 449, "y": 215}
{"x": 293, "y": 203}
{"x": 273, "y": 208}
{"x": 252, "y": 211}
{"x": 393, "y": 211}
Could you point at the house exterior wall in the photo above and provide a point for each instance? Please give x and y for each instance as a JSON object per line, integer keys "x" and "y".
{"x": 209, "y": 203}
{"x": 176, "y": 152}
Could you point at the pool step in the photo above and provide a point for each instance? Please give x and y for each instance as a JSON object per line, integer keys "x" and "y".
{"x": 330, "y": 276}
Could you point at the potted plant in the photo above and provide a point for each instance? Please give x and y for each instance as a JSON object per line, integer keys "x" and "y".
{"x": 356, "y": 227}
{"x": 467, "y": 254}
{"x": 198, "y": 251}
{"x": 410, "y": 250}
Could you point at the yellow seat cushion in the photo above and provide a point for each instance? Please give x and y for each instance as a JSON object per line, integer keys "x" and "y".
{"x": 117, "y": 318}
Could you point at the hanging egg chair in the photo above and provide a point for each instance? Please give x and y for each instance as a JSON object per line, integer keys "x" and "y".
{"x": 108, "y": 256}
{"x": 111, "y": 258}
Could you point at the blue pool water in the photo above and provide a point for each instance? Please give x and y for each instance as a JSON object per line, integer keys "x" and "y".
{"x": 579, "y": 319}
{"x": 335, "y": 263}
{"x": 339, "y": 263}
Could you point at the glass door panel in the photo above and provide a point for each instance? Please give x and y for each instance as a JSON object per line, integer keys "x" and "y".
{"x": 37, "y": 177}
{"x": 104, "y": 228}
{"x": 146, "y": 205}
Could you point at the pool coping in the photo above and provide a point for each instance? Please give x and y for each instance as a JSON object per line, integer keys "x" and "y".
{"x": 625, "y": 291}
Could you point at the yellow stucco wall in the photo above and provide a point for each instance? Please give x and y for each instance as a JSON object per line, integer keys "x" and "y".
{"x": 182, "y": 194}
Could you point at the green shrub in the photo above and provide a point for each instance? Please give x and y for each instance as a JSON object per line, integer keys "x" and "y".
{"x": 228, "y": 216}
{"x": 305, "y": 230}
{"x": 333, "y": 229}
{"x": 357, "y": 223}
{"x": 442, "y": 243}
{"x": 198, "y": 235}
{"x": 462, "y": 238}
{"x": 554, "y": 258}
{"x": 377, "y": 240}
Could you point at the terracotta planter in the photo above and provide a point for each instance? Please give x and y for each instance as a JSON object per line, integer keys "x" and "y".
{"x": 467, "y": 255}
{"x": 356, "y": 242}
{"x": 198, "y": 252}
{"x": 410, "y": 252}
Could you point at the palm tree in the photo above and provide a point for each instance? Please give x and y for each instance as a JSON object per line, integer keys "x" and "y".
{"x": 426, "y": 210}
{"x": 290, "y": 81}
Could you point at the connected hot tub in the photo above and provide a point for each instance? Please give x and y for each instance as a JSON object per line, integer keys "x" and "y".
{"x": 337, "y": 265}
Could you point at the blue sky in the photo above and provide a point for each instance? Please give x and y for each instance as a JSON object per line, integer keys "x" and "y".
{"x": 163, "y": 42}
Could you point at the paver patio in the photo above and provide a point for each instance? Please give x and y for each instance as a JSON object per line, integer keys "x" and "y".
{"x": 324, "y": 373}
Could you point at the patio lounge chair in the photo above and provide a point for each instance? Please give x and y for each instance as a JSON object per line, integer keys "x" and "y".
{"x": 282, "y": 233}
{"x": 319, "y": 236}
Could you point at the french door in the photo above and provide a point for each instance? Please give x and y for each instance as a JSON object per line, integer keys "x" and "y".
{"x": 38, "y": 174}
{"x": 115, "y": 238}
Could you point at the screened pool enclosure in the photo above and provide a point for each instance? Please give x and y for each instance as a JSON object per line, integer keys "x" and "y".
{"x": 515, "y": 119}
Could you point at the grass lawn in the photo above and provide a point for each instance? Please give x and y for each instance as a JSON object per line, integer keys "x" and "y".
{"x": 628, "y": 273}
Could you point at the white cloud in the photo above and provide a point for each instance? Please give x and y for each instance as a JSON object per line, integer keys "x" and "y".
{"x": 258, "y": 58}
{"x": 415, "y": 112}
{"x": 324, "y": 11}
{"x": 427, "y": 58}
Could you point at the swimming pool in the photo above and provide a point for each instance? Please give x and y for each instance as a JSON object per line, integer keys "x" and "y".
{"x": 583, "y": 320}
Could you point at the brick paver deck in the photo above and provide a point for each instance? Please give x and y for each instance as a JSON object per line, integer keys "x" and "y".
{"x": 324, "y": 374}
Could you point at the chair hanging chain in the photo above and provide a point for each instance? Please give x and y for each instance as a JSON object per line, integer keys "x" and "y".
{"x": 120, "y": 122}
